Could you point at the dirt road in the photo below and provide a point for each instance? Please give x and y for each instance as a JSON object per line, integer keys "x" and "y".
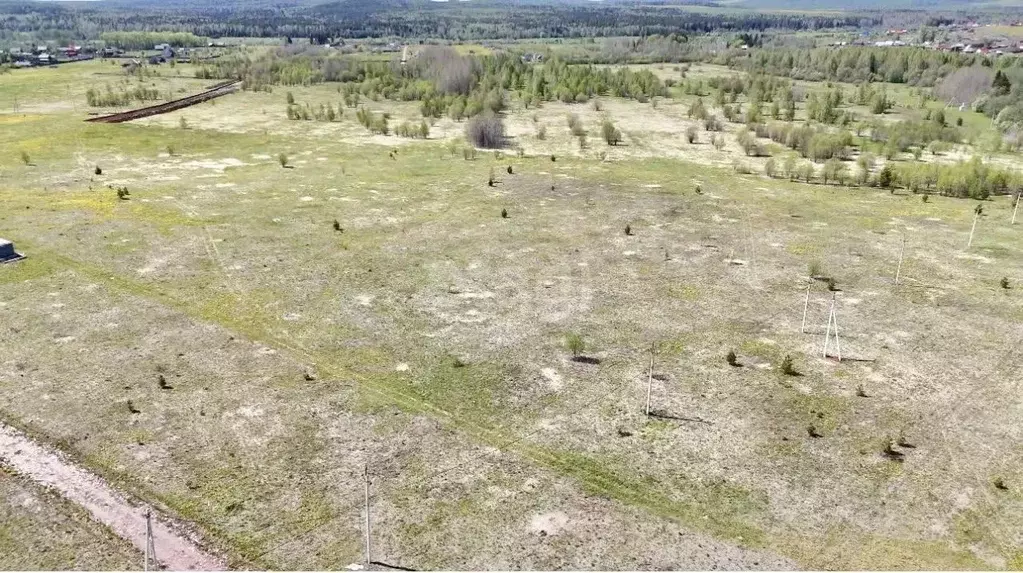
{"x": 174, "y": 550}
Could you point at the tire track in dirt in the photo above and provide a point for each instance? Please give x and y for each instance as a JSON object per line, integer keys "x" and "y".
{"x": 174, "y": 549}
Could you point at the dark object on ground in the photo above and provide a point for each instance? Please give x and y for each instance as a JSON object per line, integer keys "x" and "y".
{"x": 7, "y": 252}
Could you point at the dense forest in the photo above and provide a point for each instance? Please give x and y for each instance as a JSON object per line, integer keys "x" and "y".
{"x": 410, "y": 19}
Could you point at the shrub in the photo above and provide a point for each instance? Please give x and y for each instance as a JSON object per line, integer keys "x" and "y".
{"x": 712, "y": 123}
{"x": 926, "y": 198}
{"x": 816, "y": 269}
{"x": 691, "y": 134}
{"x": 575, "y": 343}
{"x": 504, "y": 213}
{"x": 291, "y": 98}
{"x": 509, "y": 170}
{"x": 183, "y": 123}
{"x": 122, "y": 193}
{"x": 832, "y": 284}
{"x": 612, "y": 135}
{"x": 170, "y": 150}
{"x": 26, "y": 158}
{"x": 575, "y": 125}
{"x": 959, "y": 122}
{"x": 337, "y": 226}
{"x": 98, "y": 171}
{"x": 597, "y": 105}
{"x": 628, "y": 229}
{"x": 732, "y": 359}
{"x": 1004, "y": 282}
{"x": 770, "y": 169}
{"x": 486, "y": 131}
{"x": 787, "y": 368}
{"x": 541, "y": 132}
{"x": 719, "y": 142}
{"x": 282, "y": 159}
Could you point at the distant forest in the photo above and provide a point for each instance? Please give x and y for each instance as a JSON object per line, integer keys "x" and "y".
{"x": 423, "y": 19}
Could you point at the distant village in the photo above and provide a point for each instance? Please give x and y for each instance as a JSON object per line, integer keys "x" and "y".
{"x": 49, "y": 56}
{"x": 996, "y": 46}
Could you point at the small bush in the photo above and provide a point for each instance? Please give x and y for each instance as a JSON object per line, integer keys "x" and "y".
{"x": 999, "y": 483}
{"x": 816, "y": 269}
{"x": 926, "y": 198}
{"x": 628, "y": 230}
{"x": 832, "y": 285}
{"x": 337, "y": 226}
{"x": 170, "y": 150}
{"x": 1004, "y": 282}
{"x": 26, "y": 158}
{"x": 98, "y": 171}
{"x": 291, "y": 98}
{"x": 719, "y": 143}
{"x": 575, "y": 343}
{"x": 282, "y": 159}
{"x": 486, "y": 131}
{"x": 575, "y": 125}
{"x": 787, "y": 368}
{"x": 732, "y": 359}
{"x": 698, "y": 189}
{"x": 509, "y": 170}
{"x": 183, "y": 123}
{"x": 122, "y": 193}
{"x": 504, "y": 213}
{"x": 541, "y": 132}
{"x": 691, "y": 134}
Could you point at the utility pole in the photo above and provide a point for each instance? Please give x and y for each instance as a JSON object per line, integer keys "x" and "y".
{"x": 365, "y": 475}
{"x": 1016, "y": 208}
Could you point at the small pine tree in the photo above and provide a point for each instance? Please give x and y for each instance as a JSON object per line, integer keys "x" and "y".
{"x": 183, "y": 123}
{"x": 1004, "y": 282}
{"x": 504, "y": 213}
{"x": 337, "y": 226}
{"x": 575, "y": 343}
{"x": 98, "y": 171}
{"x": 628, "y": 229}
{"x": 509, "y": 170}
{"x": 282, "y": 159}
{"x": 787, "y": 367}
{"x": 26, "y": 158}
{"x": 732, "y": 359}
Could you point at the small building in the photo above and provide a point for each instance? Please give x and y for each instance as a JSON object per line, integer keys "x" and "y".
{"x": 7, "y": 253}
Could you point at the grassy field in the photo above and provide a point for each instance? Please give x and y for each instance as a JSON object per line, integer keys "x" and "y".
{"x": 426, "y": 339}
{"x": 40, "y": 531}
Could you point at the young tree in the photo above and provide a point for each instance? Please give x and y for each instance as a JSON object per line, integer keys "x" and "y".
{"x": 611, "y": 134}
{"x": 575, "y": 343}
{"x": 886, "y": 177}
{"x": 282, "y": 159}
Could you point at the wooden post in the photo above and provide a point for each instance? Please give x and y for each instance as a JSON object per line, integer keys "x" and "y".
{"x": 150, "y": 550}
{"x": 806, "y": 305}
{"x": 898, "y": 271}
{"x": 972, "y": 229}
{"x": 650, "y": 380}
{"x": 832, "y": 317}
{"x": 838, "y": 342}
{"x": 365, "y": 475}
{"x": 1016, "y": 208}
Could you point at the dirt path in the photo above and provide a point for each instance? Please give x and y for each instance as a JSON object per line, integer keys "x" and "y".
{"x": 174, "y": 550}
